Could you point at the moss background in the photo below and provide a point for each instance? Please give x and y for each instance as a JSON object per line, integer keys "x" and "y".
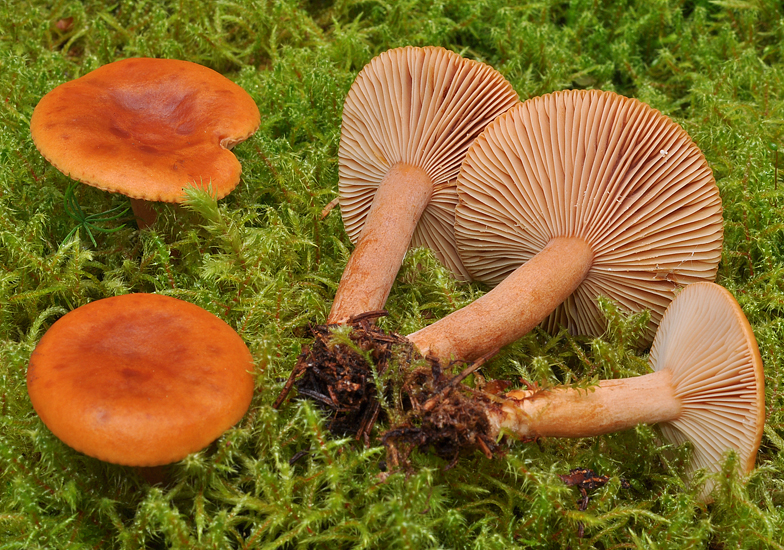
{"x": 264, "y": 260}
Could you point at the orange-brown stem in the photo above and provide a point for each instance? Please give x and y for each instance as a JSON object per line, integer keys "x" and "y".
{"x": 144, "y": 213}
{"x": 612, "y": 406}
{"x": 397, "y": 206}
{"x": 154, "y": 475}
{"x": 511, "y": 309}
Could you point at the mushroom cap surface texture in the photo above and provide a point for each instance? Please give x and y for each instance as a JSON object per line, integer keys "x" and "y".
{"x": 140, "y": 379}
{"x": 423, "y": 107}
{"x": 147, "y": 128}
{"x": 705, "y": 340}
{"x": 601, "y": 167}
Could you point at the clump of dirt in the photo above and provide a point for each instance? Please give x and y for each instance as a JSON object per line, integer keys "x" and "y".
{"x": 444, "y": 415}
{"x": 428, "y": 408}
{"x": 339, "y": 377}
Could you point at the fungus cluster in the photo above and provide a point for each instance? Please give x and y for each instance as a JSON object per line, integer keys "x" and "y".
{"x": 561, "y": 199}
{"x": 555, "y": 200}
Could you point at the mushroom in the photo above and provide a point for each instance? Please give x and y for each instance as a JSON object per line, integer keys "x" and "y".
{"x": 708, "y": 388}
{"x": 146, "y": 128}
{"x": 569, "y": 196}
{"x": 140, "y": 379}
{"x": 408, "y": 120}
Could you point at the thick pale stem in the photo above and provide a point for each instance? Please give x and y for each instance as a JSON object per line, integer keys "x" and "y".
{"x": 398, "y": 204}
{"x": 612, "y": 406}
{"x": 511, "y": 309}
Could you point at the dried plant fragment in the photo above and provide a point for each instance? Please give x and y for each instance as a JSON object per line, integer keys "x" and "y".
{"x": 585, "y": 480}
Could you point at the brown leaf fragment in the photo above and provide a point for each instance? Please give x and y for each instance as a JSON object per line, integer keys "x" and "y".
{"x": 585, "y": 480}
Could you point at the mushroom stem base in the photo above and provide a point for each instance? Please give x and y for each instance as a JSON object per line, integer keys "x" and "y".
{"x": 611, "y": 406}
{"x": 154, "y": 475}
{"x": 144, "y": 213}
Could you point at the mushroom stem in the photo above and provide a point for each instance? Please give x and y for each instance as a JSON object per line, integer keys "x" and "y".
{"x": 513, "y": 308}
{"x": 399, "y": 202}
{"x": 612, "y": 406}
{"x": 154, "y": 475}
{"x": 144, "y": 213}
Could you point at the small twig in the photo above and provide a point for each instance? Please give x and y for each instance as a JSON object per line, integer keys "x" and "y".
{"x": 474, "y": 366}
{"x": 453, "y": 462}
{"x": 484, "y": 448}
{"x": 321, "y": 398}
{"x": 367, "y": 316}
{"x": 298, "y": 455}
{"x": 431, "y": 402}
{"x": 295, "y": 372}
{"x": 327, "y": 209}
{"x": 367, "y": 423}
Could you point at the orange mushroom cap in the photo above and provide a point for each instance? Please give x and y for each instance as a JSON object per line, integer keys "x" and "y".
{"x": 140, "y": 379}
{"x": 146, "y": 128}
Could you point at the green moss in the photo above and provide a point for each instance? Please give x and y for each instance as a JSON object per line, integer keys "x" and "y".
{"x": 266, "y": 261}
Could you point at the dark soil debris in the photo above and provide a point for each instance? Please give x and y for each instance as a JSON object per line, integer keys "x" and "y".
{"x": 340, "y": 380}
{"x": 429, "y": 409}
{"x": 444, "y": 415}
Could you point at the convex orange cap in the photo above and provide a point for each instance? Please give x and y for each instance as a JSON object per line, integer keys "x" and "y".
{"x": 140, "y": 379}
{"x": 146, "y": 128}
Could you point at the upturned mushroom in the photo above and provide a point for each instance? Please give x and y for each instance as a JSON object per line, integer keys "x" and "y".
{"x": 408, "y": 120}
{"x": 146, "y": 128}
{"x": 140, "y": 379}
{"x": 708, "y": 388}
{"x": 569, "y": 196}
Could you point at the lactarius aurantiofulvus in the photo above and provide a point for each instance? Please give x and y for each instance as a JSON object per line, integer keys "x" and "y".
{"x": 569, "y": 196}
{"x": 147, "y": 128}
{"x": 408, "y": 120}
{"x": 707, "y": 387}
{"x": 140, "y": 379}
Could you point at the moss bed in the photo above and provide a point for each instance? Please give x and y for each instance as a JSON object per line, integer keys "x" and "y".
{"x": 267, "y": 260}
